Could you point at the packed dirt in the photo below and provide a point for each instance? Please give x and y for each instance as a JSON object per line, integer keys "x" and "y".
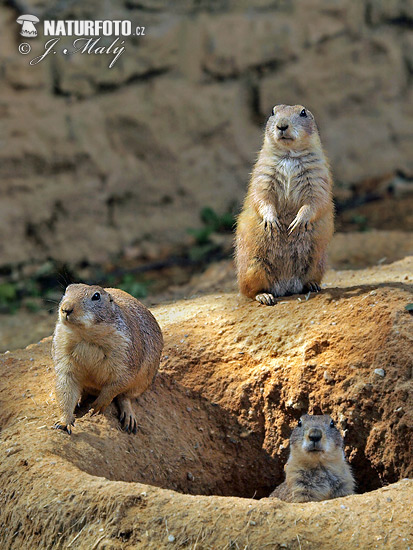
{"x": 214, "y": 427}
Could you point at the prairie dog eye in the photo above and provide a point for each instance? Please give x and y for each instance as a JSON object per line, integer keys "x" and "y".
{"x": 332, "y": 424}
{"x": 96, "y": 296}
{"x": 299, "y": 423}
{"x": 303, "y": 113}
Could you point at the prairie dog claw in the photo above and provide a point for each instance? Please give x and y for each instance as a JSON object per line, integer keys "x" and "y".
{"x": 266, "y": 299}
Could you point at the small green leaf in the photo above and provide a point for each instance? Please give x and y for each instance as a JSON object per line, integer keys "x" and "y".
{"x": 32, "y": 306}
{"x": 359, "y": 218}
{"x": 201, "y": 235}
{"x": 8, "y": 293}
{"x": 209, "y": 217}
{"x": 227, "y": 221}
{"x": 138, "y": 289}
{"x": 409, "y": 307}
{"x": 198, "y": 253}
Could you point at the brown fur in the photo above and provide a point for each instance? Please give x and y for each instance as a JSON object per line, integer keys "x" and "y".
{"x": 287, "y": 219}
{"x": 316, "y": 470}
{"x": 109, "y": 347}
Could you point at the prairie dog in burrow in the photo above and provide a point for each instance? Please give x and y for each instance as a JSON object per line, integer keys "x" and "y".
{"x": 316, "y": 468}
{"x": 287, "y": 219}
{"x": 105, "y": 343}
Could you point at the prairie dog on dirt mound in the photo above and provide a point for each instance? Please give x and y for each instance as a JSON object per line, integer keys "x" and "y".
{"x": 105, "y": 343}
{"x": 316, "y": 468}
{"x": 287, "y": 219}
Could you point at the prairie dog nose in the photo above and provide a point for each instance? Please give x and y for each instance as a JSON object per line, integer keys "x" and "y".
{"x": 67, "y": 308}
{"x": 315, "y": 434}
{"x": 282, "y": 127}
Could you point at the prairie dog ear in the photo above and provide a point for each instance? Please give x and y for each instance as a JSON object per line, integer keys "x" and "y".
{"x": 110, "y": 297}
{"x": 276, "y": 107}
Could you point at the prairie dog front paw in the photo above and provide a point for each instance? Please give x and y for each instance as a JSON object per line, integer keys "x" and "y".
{"x": 271, "y": 224}
{"x": 301, "y": 222}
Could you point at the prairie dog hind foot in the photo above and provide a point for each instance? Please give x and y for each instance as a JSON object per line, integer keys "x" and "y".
{"x": 127, "y": 417}
{"x": 266, "y": 299}
{"x": 64, "y": 427}
{"x": 311, "y": 286}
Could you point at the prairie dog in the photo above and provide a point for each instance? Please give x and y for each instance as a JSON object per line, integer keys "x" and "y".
{"x": 316, "y": 468}
{"x": 105, "y": 343}
{"x": 287, "y": 219}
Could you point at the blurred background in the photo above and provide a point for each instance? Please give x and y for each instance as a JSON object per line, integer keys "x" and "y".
{"x": 133, "y": 176}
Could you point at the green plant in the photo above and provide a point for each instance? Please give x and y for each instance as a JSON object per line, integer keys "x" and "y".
{"x": 9, "y": 297}
{"x": 213, "y": 223}
{"x": 198, "y": 253}
{"x": 223, "y": 222}
{"x": 201, "y": 235}
{"x": 138, "y": 289}
{"x": 32, "y": 306}
{"x": 361, "y": 221}
{"x": 8, "y": 293}
{"x": 32, "y": 288}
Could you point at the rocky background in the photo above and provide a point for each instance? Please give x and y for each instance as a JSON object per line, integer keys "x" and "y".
{"x": 100, "y": 163}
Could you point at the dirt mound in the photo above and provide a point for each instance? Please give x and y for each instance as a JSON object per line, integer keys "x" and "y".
{"x": 235, "y": 377}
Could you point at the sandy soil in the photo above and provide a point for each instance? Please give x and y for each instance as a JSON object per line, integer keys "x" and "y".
{"x": 214, "y": 427}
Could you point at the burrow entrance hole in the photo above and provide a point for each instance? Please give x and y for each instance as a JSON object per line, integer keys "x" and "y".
{"x": 194, "y": 445}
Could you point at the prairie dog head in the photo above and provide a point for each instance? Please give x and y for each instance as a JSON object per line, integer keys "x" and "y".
{"x": 316, "y": 440}
{"x": 86, "y": 306}
{"x": 292, "y": 128}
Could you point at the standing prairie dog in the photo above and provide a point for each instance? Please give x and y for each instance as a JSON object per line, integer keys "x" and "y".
{"x": 316, "y": 468}
{"x": 105, "y": 343}
{"x": 287, "y": 219}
